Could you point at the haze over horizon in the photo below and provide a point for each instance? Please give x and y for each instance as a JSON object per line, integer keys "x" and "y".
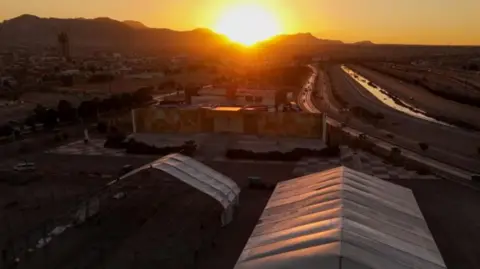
{"x": 430, "y": 22}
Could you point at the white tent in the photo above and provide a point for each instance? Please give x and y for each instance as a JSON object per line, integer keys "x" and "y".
{"x": 201, "y": 177}
{"x": 341, "y": 218}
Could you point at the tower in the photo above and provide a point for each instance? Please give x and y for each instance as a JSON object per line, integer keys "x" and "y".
{"x": 64, "y": 43}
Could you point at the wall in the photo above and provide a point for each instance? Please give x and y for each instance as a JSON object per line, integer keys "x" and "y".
{"x": 172, "y": 120}
{"x": 239, "y": 100}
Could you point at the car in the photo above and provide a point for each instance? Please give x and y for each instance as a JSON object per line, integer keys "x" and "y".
{"x": 24, "y": 167}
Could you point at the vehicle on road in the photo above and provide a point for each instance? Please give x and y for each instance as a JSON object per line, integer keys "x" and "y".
{"x": 25, "y": 167}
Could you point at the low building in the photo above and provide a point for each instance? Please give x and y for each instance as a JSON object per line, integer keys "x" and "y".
{"x": 243, "y": 96}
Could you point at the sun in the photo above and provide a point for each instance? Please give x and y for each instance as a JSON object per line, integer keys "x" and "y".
{"x": 247, "y": 24}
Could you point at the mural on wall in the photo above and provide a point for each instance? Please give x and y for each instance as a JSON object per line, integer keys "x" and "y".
{"x": 251, "y": 122}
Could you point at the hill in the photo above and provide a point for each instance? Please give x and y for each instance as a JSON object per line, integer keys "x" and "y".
{"x": 299, "y": 39}
{"x": 135, "y": 24}
{"x": 106, "y": 33}
{"x": 364, "y": 43}
{"x": 29, "y": 30}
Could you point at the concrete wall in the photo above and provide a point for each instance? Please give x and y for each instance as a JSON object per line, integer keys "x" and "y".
{"x": 239, "y": 100}
{"x": 171, "y": 120}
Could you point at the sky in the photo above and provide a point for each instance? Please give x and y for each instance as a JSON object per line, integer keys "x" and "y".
{"x": 442, "y": 22}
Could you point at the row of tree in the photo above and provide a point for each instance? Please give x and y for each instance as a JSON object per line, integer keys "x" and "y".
{"x": 65, "y": 112}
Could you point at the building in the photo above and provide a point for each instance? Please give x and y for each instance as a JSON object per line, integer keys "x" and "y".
{"x": 241, "y": 96}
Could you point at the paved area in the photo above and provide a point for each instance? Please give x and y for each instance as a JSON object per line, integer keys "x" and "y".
{"x": 370, "y": 164}
{"x": 265, "y": 144}
{"x": 93, "y": 148}
{"x": 448, "y": 144}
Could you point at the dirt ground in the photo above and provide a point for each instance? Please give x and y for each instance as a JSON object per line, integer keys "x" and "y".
{"x": 423, "y": 99}
{"x": 449, "y": 209}
{"x": 84, "y": 91}
{"x": 31, "y": 202}
{"x": 229, "y": 241}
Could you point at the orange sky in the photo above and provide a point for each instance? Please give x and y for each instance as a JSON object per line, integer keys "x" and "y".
{"x": 382, "y": 21}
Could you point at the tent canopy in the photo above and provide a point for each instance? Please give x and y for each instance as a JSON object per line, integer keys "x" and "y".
{"x": 341, "y": 218}
{"x": 201, "y": 177}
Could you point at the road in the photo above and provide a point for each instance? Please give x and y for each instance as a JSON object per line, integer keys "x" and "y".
{"x": 304, "y": 98}
{"x": 162, "y": 96}
{"x": 447, "y": 144}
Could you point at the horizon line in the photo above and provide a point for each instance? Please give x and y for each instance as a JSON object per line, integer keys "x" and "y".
{"x": 285, "y": 33}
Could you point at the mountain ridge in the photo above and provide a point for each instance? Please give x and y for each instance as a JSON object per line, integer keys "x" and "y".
{"x": 31, "y": 30}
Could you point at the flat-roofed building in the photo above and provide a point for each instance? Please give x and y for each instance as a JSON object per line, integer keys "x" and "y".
{"x": 242, "y": 96}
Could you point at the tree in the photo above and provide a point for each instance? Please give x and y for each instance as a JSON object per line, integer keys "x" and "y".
{"x": 51, "y": 119}
{"x": 100, "y": 78}
{"x": 67, "y": 81}
{"x": 423, "y": 146}
{"x": 66, "y": 112}
{"x": 115, "y": 102}
{"x": 473, "y": 67}
{"x": 102, "y": 127}
{"x": 126, "y": 101}
{"x": 105, "y": 105}
{"x": 30, "y": 122}
{"x": 88, "y": 109}
{"x": 143, "y": 95}
{"x": 40, "y": 113}
{"x": 6, "y": 130}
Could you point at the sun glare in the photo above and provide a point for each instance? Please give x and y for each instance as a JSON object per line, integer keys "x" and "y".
{"x": 247, "y": 24}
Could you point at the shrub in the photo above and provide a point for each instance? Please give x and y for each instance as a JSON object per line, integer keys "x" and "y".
{"x": 115, "y": 141}
{"x": 395, "y": 151}
{"x": 24, "y": 148}
{"x": 423, "y": 170}
{"x": 102, "y": 127}
{"x": 473, "y": 67}
{"x": 423, "y": 146}
{"x": 379, "y": 116}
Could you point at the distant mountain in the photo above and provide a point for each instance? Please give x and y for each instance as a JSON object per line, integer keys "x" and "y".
{"x": 135, "y": 24}
{"x": 103, "y": 33}
{"x": 299, "y": 39}
{"x": 364, "y": 43}
{"x": 29, "y": 30}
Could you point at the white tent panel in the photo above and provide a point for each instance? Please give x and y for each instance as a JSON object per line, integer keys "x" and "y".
{"x": 199, "y": 176}
{"x": 376, "y": 224}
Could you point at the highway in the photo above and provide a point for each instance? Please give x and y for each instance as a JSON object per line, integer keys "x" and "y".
{"x": 304, "y": 99}
{"x": 447, "y": 144}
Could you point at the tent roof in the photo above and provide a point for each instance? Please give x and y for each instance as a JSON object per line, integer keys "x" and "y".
{"x": 341, "y": 218}
{"x": 218, "y": 186}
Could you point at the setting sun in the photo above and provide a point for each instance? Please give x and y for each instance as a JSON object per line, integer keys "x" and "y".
{"x": 248, "y": 24}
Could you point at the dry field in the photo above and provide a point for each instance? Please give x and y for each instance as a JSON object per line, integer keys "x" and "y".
{"x": 444, "y": 83}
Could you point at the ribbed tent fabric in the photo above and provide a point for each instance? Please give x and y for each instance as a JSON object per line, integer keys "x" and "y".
{"x": 341, "y": 219}
{"x": 199, "y": 176}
